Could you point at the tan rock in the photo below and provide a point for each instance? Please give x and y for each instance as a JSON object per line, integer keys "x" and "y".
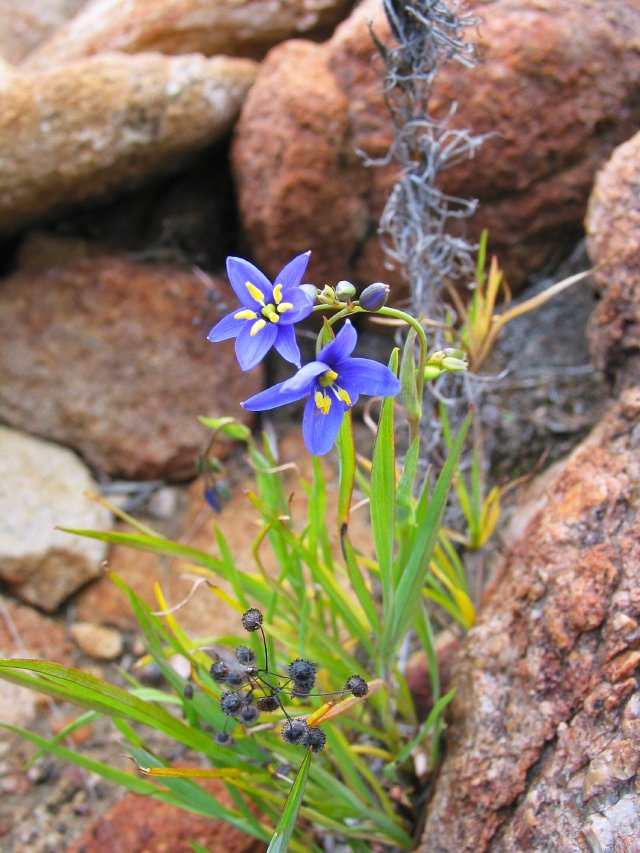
{"x": 43, "y": 487}
{"x": 613, "y": 242}
{"x": 111, "y": 358}
{"x": 241, "y": 28}
{"x": 556, "y": 104}
{"x": 104, "y": 123}
{"x": 543, "y": 749}
{"x": 25, "y": 23}
{"x": 97, "y": 641}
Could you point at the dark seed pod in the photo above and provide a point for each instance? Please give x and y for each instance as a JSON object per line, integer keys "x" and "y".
{"x": 251, "y": 619}
{"x": 251, "y": 671}
{"x": 245, "y": 655}
{"x": 219, "y": 671}
{"x": 249, "y": 714}
{"x": 302, "y": 672}
{"x": 295, "y": 731}
{"x": 357, "y": 685}
{"x": 224, "y": 739}
{"x": 236, "y": 678}
{"x": 231, "y": 703}
{"x": 302, "y": 688}
{"x": 188, "y": 691}
{"x": 267, "y": 703}
{"x": 317, "y": 739}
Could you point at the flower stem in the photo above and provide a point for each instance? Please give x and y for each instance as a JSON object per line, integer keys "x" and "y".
{"x": 422, "y": 338}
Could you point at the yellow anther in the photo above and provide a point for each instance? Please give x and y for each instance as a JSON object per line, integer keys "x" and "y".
{"x": 273, "y": 317}
{"x": 255, "y": 292}
{"x": 259, "y": 324}
{"x": 327, "y": 378}
{"x": 284, "y": 306}
{"x": 245, "y": 314}
{"x": 277, "y": 294}
{"x": 342, "y": 395}
{"x": 323, "y": 403}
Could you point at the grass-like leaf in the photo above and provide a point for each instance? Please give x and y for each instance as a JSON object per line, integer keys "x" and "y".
{"x": 286, "y": 825}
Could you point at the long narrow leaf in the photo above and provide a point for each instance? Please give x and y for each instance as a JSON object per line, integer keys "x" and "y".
{"x": 286, "y": 825}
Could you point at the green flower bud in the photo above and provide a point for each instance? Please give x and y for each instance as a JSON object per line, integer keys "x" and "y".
{"x": 344, "y": 289}
{"x": 432, "y": 372}
{"x": 311, "y": 290}
{"x": 374, "y": 296}
{"x": 327, "y": 296}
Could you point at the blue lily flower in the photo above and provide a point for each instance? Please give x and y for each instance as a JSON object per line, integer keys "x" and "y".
{"x": 333, "y": 383}
{"x": 268, "y": 311}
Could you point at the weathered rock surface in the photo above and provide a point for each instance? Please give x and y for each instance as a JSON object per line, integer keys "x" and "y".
{"x": 43, "y": 487}
{"x": 25, "y": 23}
{"x": 97, "y": 641}
{"x": 544, "y": 747}
{"x": 557, "y": 87}
{"x": 613, "y": 241}
{"x": 139, "y": 824}
{"x": 104, "y": 123}
{"x": 242, "y": 28}
{"x": 111, "y": 358}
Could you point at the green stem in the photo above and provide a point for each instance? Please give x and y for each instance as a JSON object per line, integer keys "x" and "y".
{"x": 422, "y": 338}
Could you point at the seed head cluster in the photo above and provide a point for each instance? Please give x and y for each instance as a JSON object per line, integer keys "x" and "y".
{"x": 254, "y": 690}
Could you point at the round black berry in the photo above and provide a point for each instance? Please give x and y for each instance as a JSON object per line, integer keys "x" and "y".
{"x": 231, "y": 703}
{"x": 245, "y": 655}
{"x": 236, "y": 677}
{"x": 357, "y": 685}
{"x": 224, "y": 739}
{"x": 267, "y": 703}
{"x": 295, "y": 731}
{"x": 251, "y": 619}
{"x": 219, "y": 670}
{"x": 302, "y": 672}
{"x": 249, "y": 714}
{"x": 317, "y": 739}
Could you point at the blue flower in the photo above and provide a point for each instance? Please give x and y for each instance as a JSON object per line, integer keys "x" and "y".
{"x": 333, "y": 382}
{"x": 268, "y": 311}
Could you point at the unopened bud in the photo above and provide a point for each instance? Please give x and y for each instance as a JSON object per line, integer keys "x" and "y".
{"x": 327, "y": 296}
{"x": 344, "y": 289}
{"x": 374, "y": 296}
{"x": 311, "y": 290}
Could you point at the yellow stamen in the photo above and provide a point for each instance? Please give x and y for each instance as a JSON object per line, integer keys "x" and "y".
{"x": 323, "y": 403}
{"x": 259, "y": 324}
{"x": 327, "y": 378}
{"x": 245, "y": 314}
{"x": 255, "y": 292}
{"x": 277, "y": 294}
{"x": 273, "y": 317}
{"x": 284, "y": 306}
{"x": 342, "y": 395}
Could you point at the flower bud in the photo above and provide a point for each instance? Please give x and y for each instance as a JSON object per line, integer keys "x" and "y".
{"x": 311, "y": 290}
{"x": 374, "y": 296}
{"x": 327, "y": 296}
{"x": 345, "y": 290}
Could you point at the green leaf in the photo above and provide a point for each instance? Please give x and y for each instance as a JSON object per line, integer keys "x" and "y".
{"x": 286, "y": 825}
{"x": 227, "y": 426}
{"x": 382, "y": 499}
{"x": 347, "y": 460}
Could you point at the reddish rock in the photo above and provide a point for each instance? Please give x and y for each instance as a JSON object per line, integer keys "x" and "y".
{"x": 25, "y": 23}
{"x": 111, "y": 358}
{"x": 138, "y": 824}
{"x": 102, "y": 124}
{"x": 246, "y": 28}
{"x": 543, "y": 746}
{"x": 557, "y": 87}
{"x": 613, "y": 242}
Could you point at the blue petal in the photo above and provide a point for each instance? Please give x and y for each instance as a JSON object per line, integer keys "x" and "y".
{"x": 320, "y": 431}
{"x": 291, "y": 274}
{"x": 286, "y": 344}
{"x": 273, "y": 397}
{"x": 365, "y": 376}
{"x": 302, "y": 305}
{"x": 341, "y": 346}
{"x": 305, "y": 377}
{"x": 226, "y": 328}
{"x": 251, "y": 349}
{"x": 240, "y": 272}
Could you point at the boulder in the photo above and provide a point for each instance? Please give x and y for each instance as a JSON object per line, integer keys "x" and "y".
{"x": 25, "y": 23}
{"x": 543, "y": 746}
{"x": 110, "y": 357}
{"x": 43, "y": 487}
{"x": 556, "y": 88}
{"x": 613, "y": 242}
{"x": 105, "y": 123}
{"x": 245, "y": 28}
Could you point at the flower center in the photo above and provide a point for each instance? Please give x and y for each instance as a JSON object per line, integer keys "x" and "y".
{"x": 322, "y": 399}
{"x": 270, "y": 311}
